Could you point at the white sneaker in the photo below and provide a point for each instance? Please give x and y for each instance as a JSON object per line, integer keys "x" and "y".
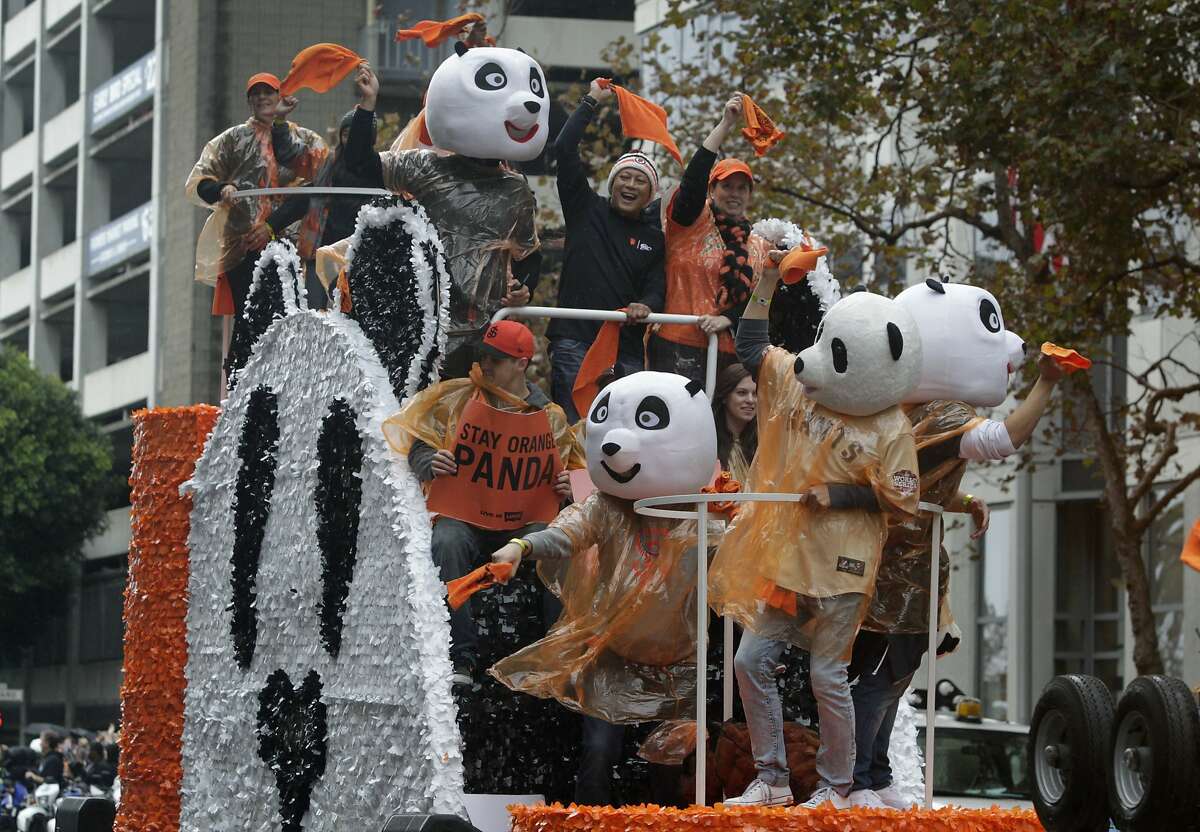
{"x": 867, "y": 798}
{"x": 759, "y": 793}
{"x": 826, "y": 794}
{"x": 890, "y": 796}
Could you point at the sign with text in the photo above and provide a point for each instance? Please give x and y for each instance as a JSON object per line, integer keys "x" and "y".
{"x": 120, "y": 239}
{"x": 8, "y": 694}
{"x": 507, "y": 463}
{"x": 124, "y": 91}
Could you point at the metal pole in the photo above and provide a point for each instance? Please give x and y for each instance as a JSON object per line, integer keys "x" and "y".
{"x": 701, "y": 649}
{"x": 931, "y": 656}
{"x": 589, "y": 315}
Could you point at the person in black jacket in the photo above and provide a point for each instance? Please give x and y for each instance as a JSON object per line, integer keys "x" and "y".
{"x": 613, "y": 253}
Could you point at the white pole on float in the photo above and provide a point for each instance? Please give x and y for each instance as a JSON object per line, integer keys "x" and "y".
{"x": 935, "y": 558}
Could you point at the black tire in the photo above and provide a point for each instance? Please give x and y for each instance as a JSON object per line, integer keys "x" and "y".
{"x": 1068, "y": 754}
{"x": 1154, "y": 757}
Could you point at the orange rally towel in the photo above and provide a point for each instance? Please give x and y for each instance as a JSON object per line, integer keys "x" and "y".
{"x": 723, "y": 484}
{"x": 800, "y": 261}
{"x": 1067, "y": 359}
{"x": 344, "y": 285}
{"x": 601, "y": 355}
{"x": 1191, "y": 547}
{"x": 320, "y": 68}
{"x": 460, "y": 589}
{"x": 223, "y": 297}
{"x": 776, "y": 596}
{"x": 436, "y": 32}
{"x": 642, "y": 119}
{"x": 760, "y": 129}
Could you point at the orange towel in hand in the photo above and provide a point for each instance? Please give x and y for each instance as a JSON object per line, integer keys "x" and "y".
{"x": 460, "y": 589}
{"x": 601, "y": 355}
{"x": 320, "y": 68}
{"x": 724, "y": 484}
{"x": 799, "y": 261}
{"x": 436, "y": 32}
{"x": 760, "y": 130}
{"x": 642, "y": 119}
{"x": 1067, "y": 359}
{"x": 1191, "y": 548}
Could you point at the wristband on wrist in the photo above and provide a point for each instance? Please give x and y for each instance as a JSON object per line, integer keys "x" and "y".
{"x": 760, "y": 300}
{"x": 587, "y": 99}
{"x": 967, "y": 499}
{"x": 524, "y": 544}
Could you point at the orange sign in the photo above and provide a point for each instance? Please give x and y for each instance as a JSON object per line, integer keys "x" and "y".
{"x": 507, "y": 463}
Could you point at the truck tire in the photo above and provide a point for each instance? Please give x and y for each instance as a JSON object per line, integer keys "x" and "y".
{"x": 1068, "y": 754}
{"x": 1154, "y": 757}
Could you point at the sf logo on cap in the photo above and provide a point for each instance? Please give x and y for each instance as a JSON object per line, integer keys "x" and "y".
{"x": 491, "y": 333}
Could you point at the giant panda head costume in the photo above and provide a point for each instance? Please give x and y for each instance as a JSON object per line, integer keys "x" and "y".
{"x": 489, "y": 103}
{"x": 967, "y": 353}
{"x": 867, "y": 356}
{"x": 650, "y": 435}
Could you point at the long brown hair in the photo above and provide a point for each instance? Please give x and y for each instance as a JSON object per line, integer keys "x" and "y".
{"x": 730, "y": 378}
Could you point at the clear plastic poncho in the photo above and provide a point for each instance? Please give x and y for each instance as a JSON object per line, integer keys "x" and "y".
{"x": 484, "y": 215}
{"x": 781, "y": 565}
{"x": 243, "y": 156}
{"x": 624, "y": 648}
{"x": 901, "y": 601}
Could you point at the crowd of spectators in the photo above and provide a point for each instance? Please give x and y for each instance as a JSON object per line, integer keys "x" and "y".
{"x": 79, "y": 760}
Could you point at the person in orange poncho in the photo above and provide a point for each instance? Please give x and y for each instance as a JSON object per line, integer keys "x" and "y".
{"x": 265, "y": 151}
{"x": 712, "y": 259}
{"x": 424, "y": 431}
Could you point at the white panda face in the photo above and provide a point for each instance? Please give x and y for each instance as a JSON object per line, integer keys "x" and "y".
{"x": 649, "y": 435}
{"x": 968, "y": 354}
{"x": 867, "y": 356}
{"x": 489, "y": 103}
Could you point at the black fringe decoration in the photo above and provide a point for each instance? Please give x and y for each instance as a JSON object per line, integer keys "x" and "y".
{"x": 795, "y": 315}
{"x": 251, "y": 507}
{"x": 293, "y": 741}
{"x": 338, "y": 495}
{"x": 264, "y": 305}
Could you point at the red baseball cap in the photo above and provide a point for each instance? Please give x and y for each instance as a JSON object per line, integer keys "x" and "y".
{"x": 728, "y": 167}
{"x": 508, "y": 339}
{"x": 262, "y": 78}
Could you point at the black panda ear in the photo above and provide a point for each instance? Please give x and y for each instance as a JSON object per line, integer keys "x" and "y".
{"x": 935, "y": 286}
{"x": 460, "y": 48}
{"x": 693, "y": 387}
{"x": 856, "y": 289}
{"x": 522, "y": 51}
{"x": 895, "y": 340}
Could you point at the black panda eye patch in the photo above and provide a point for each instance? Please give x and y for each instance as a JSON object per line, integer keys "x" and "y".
{"x": 491, "y": 76}
{"x": 652, "y": 414}
{"x": 840, "y": 359}
{"x": 600, "y": 411}
{"x": 989, "y": 315}
{"x": 535, "y": 83}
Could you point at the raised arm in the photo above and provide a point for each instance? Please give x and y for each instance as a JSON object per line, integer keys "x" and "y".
{"x": 361, "y": 157}
{"x": 573, "y": 187}
{"x": 693, "y": 187}
{"x": 753, "y": 332}
{"x": 993, "y": 440}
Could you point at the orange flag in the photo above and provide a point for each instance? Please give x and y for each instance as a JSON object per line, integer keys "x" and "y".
{"x": 800, "y": 261}
{"x": 601, "y": 355}
{"x": 1191, "y": 547}
{"x": 642, "y": 119}
{"x": 1068, "y": 360}
{"x": 488, "y": 575}
{"x": 759, "y": 129}
{"x": 319, "y": 67}
{"x": 436, "y": 32}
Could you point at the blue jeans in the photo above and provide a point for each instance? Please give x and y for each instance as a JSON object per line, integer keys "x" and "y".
{"x": 836, "y": 620}
{"x": 566, "y": 357}
{"x": 876, "y": 697}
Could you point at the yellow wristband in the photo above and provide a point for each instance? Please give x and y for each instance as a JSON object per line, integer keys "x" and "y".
{"x": 524, "y": 544}
{"x": 967, "y": 499}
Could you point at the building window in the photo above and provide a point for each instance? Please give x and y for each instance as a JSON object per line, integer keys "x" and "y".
{"x": 1164, "y": 542}
{"x": 993, "y": 610}
{"x": 1089, "y": 634}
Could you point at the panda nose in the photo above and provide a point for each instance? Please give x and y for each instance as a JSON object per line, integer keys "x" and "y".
{"x": 610, "y": 448}
{"x": 533, "y": 106}
{"x": 798, "y": 367}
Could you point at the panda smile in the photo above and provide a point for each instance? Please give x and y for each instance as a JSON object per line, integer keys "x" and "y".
{"x": 517, "y": 134}
{"x": 622, "y": 478}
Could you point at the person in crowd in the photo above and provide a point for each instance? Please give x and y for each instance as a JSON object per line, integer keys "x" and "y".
{"x": 99, "y": 772}
{"x": 264, "y": 151}
{"x": 612, "y": 256}
{"x": 713, "y": 258}
{"x": 326, "y": 219}
{"x": 483, "y": 212}
{"x": 53, "y": 768}
{"x": 735, "y": 405}
{"x": 422, "y": 431}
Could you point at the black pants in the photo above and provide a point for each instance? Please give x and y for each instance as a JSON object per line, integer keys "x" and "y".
{"x": 458, "y": 548}
{"x": 602, "y": 744}
{"x": 670, "y": 357}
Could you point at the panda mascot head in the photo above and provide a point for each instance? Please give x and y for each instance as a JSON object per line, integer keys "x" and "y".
{"x": 867, "y": 356}
{"x": 650, "y": 435}
{"x": 489, "y": 103}
{"x": 967, "y": 353}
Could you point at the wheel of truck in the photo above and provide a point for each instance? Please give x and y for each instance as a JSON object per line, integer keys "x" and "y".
{"x": 1068, "y": 754}
{"x": 1154, "y": 756}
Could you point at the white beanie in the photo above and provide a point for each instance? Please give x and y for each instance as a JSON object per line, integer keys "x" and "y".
{"x": 638, "y": 161}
